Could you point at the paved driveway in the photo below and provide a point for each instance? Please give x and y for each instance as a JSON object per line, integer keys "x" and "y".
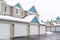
{"x": 53, "y": 36}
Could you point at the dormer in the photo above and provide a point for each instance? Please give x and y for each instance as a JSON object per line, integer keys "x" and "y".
{"x": 18, "y": 11}
{"x": 4, "y": 8}
{"x": 1, "y": 3}
{"x": 34, "y": 11}
{"x": 57, "y": 20}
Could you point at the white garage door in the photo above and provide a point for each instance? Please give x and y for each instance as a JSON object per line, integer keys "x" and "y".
{"x": 20, "y": 30}
{"x": 57, "y": 28}
{"x": 33, "y": 30}
{"x": 52, "y": 28}
{"x": 48, "y": 29}
{"x": 42, "y": 30}
{"x": 4, "y": 31}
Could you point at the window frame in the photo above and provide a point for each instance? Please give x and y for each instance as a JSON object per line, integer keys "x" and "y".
{"x": 16, "y": 11}
{"x": 5, "y": 9}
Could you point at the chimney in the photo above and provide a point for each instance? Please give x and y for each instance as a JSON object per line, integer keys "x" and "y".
{"x": 27, "y": 13}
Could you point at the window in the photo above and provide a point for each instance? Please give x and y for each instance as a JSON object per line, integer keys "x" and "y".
{"x": 5, "y": 9}
{"x": 0, "y": 6}
{"x": 16, "y": 11}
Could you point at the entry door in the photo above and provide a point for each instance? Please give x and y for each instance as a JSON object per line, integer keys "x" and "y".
{"x": 20, "y": 30}
{"x": 33, "y": 30}
{"x": 4, "y": 31}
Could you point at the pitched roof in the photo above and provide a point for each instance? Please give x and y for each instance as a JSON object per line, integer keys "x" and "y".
{"x": 31, "y": 19}
{"x": 58, "y": 18}
{"x": 33, "y": 9}
{"x": 18, "y": 5}
{"x": 9, "y": 18}
{"x": 35, "y": 20}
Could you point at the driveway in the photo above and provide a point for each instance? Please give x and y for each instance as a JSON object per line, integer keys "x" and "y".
{"x": 52, "y": 36}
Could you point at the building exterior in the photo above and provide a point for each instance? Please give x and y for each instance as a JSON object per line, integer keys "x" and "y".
{"x": 54, "y": 25}
{"x": 18, "y": 22}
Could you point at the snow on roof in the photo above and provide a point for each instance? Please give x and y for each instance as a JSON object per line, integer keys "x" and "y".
{"x": 29, "y": 18}
{"x": 9, "y": 18}
{"x": 42, "y": 23}
{"x": 56, "y": 24}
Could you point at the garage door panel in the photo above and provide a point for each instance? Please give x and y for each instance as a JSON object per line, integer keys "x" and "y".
{"x": 33, "y": 30}
{"x": 42, "y": 30}
{"x": 20, "y": 30}
{"x": 4, "y": 31}
{"x": 52, "y": 28}
{"x": 57, "y": 28}
{"x": 48, "y": 29}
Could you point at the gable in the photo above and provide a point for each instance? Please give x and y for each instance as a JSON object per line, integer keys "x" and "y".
{"x": 35, "y": 20}
{"x": 18, "y": 5}
{"x": 58, "y": 18}
{"x": 32, "y": 9}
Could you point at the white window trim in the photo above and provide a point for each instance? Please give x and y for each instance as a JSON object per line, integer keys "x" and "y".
{"x": 17, "y": 11}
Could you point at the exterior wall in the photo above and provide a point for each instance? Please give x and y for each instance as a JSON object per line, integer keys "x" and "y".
{"x": 42, "y": 30}
{"x": 20, "y": 30}
{"x": 33, "y": 29}
{"x": 19, "y": 15}
{"x": 7, "y": 11}
{"x": 11, "y": 11}
{"x": 14, "y": 12}
{"x": 0, "y": 6}
{"x": 4, "y": 31}
{"x": 37, "y": 16}
{"x": 57, "y": 28}
{"x": 22, "y": 13}
{"x": 27, "y": 13}
{"x": 2, "y": 12}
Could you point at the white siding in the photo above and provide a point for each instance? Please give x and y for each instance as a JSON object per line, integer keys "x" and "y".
{"x": 7, "y": 10}
{"x": 0, "y": 6}
{"x": 33, "y": 30}
{"x": 42, "y": 30}
{"x": 20, "y": 30}
{"x": 15, "y": 14}
{"x": 4, "y": 31}
{"x": 57, "y": 28}
{"x": 20, "y": 13}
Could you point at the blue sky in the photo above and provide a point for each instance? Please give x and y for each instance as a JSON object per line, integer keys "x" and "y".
{"x": 48, "y": 9}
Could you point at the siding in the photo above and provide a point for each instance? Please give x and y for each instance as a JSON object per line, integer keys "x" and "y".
{"x": 4, "y": 31}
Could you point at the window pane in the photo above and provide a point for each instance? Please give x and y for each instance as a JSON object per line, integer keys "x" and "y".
{"x": 5, "y": 9}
